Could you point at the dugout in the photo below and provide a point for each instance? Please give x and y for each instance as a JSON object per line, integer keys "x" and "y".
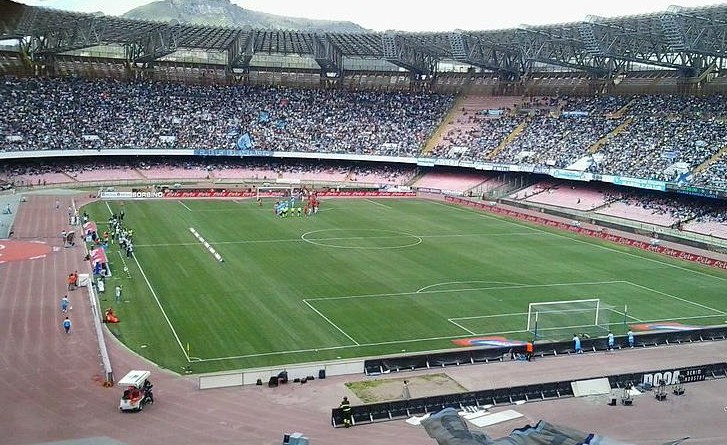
{"x": 400, "y": 409}
{"x": 377, "y": 366}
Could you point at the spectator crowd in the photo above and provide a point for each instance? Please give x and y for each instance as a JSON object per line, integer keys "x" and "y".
{"x": 652, "y": 137}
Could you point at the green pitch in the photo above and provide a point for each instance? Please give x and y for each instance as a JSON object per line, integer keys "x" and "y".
{"x": 366, "y": 278}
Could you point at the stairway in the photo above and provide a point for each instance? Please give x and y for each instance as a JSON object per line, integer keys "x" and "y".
{"x": 454, "y": 113}
{"x": 714, "y": 158}
{"x": 510, "y": 137}
{"x": 616, "y": 131}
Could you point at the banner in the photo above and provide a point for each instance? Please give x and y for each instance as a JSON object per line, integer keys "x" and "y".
{"x": 130, "y": 195}
{"x": 245, "y": 142}
{"x": 277, "y": 193}
{"x": 639, "y": 183}
{"x": 697, "y": 191}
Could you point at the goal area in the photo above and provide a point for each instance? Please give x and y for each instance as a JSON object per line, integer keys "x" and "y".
{"x": 561, "y": 319}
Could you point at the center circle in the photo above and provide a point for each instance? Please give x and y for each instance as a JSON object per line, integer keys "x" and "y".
{"x": 369, "y": 239}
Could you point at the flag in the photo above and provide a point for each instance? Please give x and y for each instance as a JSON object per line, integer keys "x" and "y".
{"x": 245, "y": 142}
{"x": 684, "y": 179}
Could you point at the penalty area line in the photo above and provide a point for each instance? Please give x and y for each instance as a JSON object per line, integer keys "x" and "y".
{"x": 184, "y": 205}
{"x": 378, "y": 204}
{"x": 330, "y": 322}
{"x": 460, "y": 326}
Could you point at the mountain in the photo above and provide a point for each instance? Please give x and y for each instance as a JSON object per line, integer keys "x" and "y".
{"x": 224, "y": 13}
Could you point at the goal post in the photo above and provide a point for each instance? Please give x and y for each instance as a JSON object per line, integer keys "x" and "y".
{"x": 558, "y": 318}
{"x": 275, "y": 191}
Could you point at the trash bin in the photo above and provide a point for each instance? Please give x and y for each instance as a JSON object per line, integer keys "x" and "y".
{"x": 321, "y": 373}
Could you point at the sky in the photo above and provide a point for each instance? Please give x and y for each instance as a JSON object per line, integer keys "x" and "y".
{"x": 414, "y": 16}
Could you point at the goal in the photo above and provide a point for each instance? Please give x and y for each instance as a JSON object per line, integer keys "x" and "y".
{"x": 555, "y": 319}
{"x": 274, "y": 191}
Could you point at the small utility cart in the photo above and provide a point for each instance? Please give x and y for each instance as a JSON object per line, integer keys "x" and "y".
{"x": 137, "y": 391}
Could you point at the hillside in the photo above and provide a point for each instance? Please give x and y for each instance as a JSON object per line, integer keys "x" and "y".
{"x": 224, "y": 13}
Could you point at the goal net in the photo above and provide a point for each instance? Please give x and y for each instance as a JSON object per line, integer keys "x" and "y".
{"x": 274, "y": 191}
{"x": 561, "y": 319}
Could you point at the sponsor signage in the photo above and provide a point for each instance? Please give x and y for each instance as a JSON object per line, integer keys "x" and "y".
{"x": 248, "y": 194}
{"x": 217, "y": 152}
{"x": 639, "y": 183}
{"x": 697, "y": 191}
{"x": 574, "y": 175}
{"x": 674, "y": 376}
{"x": 131, "y": 195}
{"x": 255, "y": 153}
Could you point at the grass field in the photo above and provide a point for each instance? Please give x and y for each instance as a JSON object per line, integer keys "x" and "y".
{"x": 365, "y": 278}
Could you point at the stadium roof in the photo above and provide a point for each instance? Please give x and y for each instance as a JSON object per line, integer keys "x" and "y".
{"x": 690, "y": 40}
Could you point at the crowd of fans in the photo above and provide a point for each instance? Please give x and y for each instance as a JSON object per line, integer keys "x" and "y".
{"x": 651, "y": 137}
{"x": 666, "y": 131}
{"x": 661, "y": 137}
{"x": 73, "y": 113}
{"x": 16, "y": 173}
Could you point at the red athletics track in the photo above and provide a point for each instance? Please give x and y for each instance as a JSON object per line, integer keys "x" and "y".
{"x": 11, "y": 250}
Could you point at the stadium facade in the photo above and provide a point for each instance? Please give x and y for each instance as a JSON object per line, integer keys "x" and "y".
{"x": 680, "y": 50}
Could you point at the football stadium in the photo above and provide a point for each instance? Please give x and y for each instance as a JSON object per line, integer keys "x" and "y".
{"x": 471, "y": 235}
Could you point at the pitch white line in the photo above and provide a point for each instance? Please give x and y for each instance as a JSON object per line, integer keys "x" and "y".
{"x": 679, "y": 318}
{"x": 383, "y": 343}
{"x": 423, "y": 289}
{"x": 677, "y": 298}
{"x": 520, "y": 286}
{"x": 627, "y": 315}
{"x": 378, "y": 203}
{"x": 416, "y": 340}
{"x": 506, "y": 219}
{"x": 514, "y": 314}
{"x": 154, "y": 294}
{"x": 330, "y": 322}
{"x": 290, "y": 240}
{"x": 184, "y": 205}
{"x": 451, "y": 320}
